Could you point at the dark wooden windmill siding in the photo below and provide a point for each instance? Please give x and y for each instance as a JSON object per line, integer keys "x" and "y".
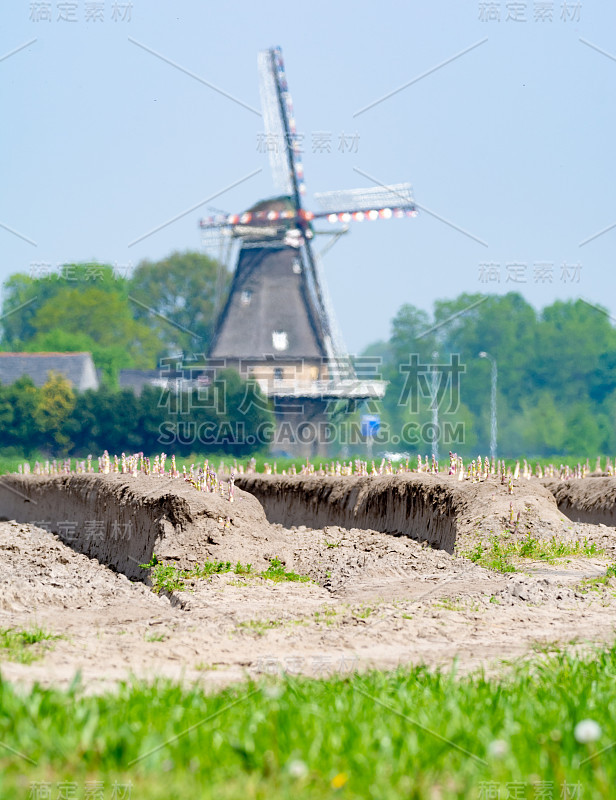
{"x": 268, "y": 307}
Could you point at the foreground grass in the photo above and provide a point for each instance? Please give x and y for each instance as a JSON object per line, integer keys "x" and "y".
{"x": 410, "y": 733}
{"x": 502, "y": 555}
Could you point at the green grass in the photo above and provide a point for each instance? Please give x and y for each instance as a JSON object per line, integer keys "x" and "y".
{"x": 22, "y": 646}
{"x": 596, "y": 584}
{"x": 327, "y": 615}
{"x": 457, "y": 604}
{"x": 501, "y": 554}
{"x": 405, "y": 734}
{"x": 166, "y": 577}
{"x": 276, "y": 572}
{"x": 203, "y": 667}
{"x": 331, "y": 545}
{"x": 10, "y": 460}
{"x": 155, "y": 637}
{"x": 259, "y": 626}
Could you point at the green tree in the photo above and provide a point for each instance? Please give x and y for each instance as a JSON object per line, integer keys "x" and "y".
{"x": 556, "y": 371}
{"x": 405, "y": 399}
{"x": 584, "y": 434}
{"x": 7, "y": 413}
{"x": 108, "y": 359}
{"x": 542, "y": 426}
{"x": 608, "y": 422}
{"x": 505, "y": 326}
{"x": 84, "y": 307}
{"x": 411, "y": 333}
{"x": 56, "y": 401}
{"x": 154, "y": 405}
{"x": 106, "y": 319}
{"x": 575, "y": 351}
{"x": 18, "y": 429}
{"x": 105, "y": 420}
{"x": 179, "y": 297}
{"x": 24, "y": 295}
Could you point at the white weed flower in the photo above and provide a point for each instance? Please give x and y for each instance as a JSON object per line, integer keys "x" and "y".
{"x": 498, "y": 748}
{"x": 587, "y": 731}
{"x": 297, "y": 768}
{"x": 273, "y": 691}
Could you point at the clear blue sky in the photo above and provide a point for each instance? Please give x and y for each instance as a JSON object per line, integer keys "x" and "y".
{"x": 512, "y": 142}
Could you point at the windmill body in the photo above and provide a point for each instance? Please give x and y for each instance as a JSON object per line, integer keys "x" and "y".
{"x": 269, "y": 328}
{"x": 277, "y": 326}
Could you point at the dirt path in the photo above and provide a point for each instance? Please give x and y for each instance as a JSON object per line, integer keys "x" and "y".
{"x": 376, "y": 601}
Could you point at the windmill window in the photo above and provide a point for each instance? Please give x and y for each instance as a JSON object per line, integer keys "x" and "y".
{"x": 280, "y": 340}
{"x": 277, "y": 373}
{"x": 246, "y": 297}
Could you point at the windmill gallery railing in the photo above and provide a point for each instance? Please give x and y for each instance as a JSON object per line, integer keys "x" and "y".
{"x": 323, "y": 389}
{"x": 280, "y": 387}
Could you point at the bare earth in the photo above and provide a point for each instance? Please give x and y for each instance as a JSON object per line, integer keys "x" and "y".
{"x": 376, "y": 601}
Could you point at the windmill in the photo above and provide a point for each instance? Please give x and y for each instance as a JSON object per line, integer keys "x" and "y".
{"x": 277, "y": 326}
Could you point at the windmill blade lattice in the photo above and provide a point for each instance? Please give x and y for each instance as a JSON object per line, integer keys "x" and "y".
{"x": 281, "y": 140}
{"x": 378, "y": 197}
{"x": 378, "y": 202}
{"x": 346, "y": 205}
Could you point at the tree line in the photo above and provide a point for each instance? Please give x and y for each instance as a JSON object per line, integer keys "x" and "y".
{"x": 228, "y": 416}
{"x": 556, "y": 366}
{"x": 556, "y": 373}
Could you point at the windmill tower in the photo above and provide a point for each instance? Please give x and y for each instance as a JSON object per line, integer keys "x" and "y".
{"x": 277, "y": 326}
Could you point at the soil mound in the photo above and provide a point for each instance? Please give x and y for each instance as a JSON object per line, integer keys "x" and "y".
{"x": 590, "y": 500}
{"x": 39, "y": 572}
{"x": 437, "y": 509}
{"x": 121, "y": 520}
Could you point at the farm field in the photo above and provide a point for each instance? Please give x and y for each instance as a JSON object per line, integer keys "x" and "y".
{"x": 371, "y": 601}
{"x": 446, "y": 668}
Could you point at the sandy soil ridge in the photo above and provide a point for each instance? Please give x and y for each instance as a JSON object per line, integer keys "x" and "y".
{"x": 376, "y": 599}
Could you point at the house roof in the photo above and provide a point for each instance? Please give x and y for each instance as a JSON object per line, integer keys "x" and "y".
{"x": 74, "y": 367}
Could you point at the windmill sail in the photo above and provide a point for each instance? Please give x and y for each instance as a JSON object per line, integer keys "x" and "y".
{"x": 287, "y": 170}
{"x": 281, "y": 138}
{"x": 341, "y": 363}
{"x": 377, "y": 198}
